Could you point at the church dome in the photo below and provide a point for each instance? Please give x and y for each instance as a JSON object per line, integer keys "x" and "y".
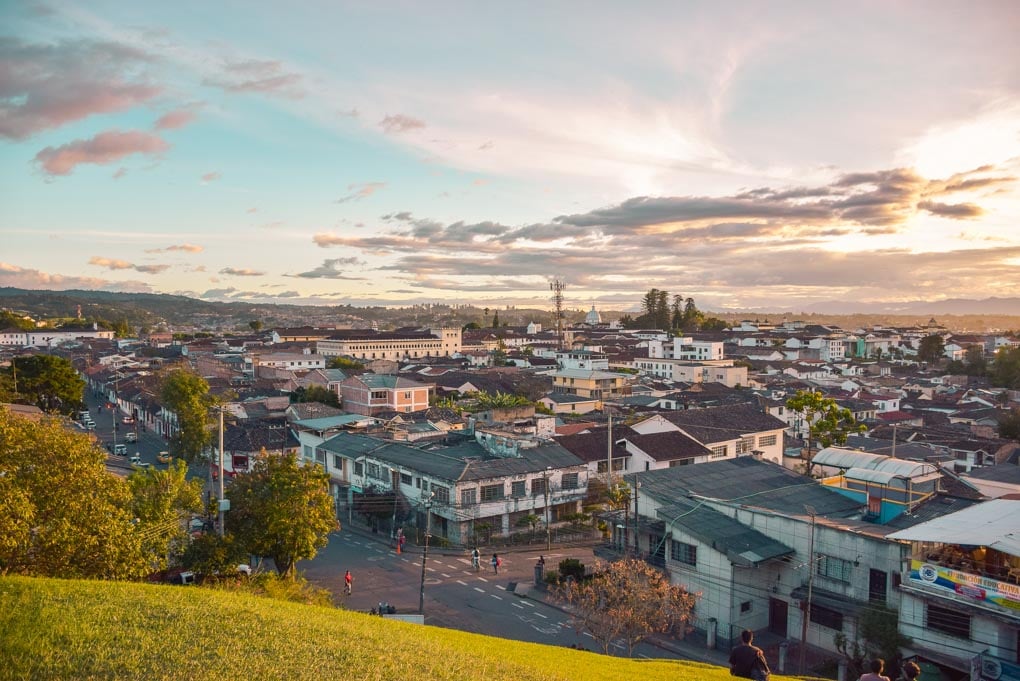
{"x": 593, "y": 317}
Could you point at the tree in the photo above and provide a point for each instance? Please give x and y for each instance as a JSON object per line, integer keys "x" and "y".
{"x": 676, "y": 319}
{"x": 878, "y": 635}
{"x": 1005, "y": 371}
{"x": 48, "y": 382}
{"x": 627, "y": 599}
{"x": 974, "y": 361}
{"x": 931, "y": 348}
{"x": 187, "y": 395}
{"x": 826, "y": 421}
{"x": 345, "y": 363}
{"x": 161, "y": 499}
{"x": 63, "y": 514}
{"x": 255, "y": 325}
{"x": 1009, "y": 425}
{"x": 283, "y": 510}
{"x": 316, "y": 393}
{"x": 495, "y": 320}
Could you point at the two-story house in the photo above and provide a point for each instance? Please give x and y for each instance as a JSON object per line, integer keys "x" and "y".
{"x": 371, "y": 394}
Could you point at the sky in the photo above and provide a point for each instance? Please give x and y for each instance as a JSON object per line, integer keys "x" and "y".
{"x": 749, "y": 155}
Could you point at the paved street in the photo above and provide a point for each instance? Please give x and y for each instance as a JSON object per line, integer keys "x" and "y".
{"x": 456, "y": 596}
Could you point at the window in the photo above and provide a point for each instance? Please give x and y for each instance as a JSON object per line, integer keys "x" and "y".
{"x": 374, "y": 471}
{"x": 834, "y": 568}
{"x": 442, "y": 494}
{"x": 492, "y": 492}
{"x": 378, "y": 394}
{"x": 947, "y": 620}
{"x": 683, "y": 553}
{"x": 538, "y": 486}
{"x": 359, "y": 468}
{"x": 745, "y": 607}
{"x": 338, "y": 462}
{"x": 306, "y": 451}
{"x": 320, "y": 457}
{"x": 720, "y": 451}
{"x": 518, "y": 489}
{"x": 767, "y": 441}
{"x": 469, "y": 497}
{"x": 745, "y": 445}
{"x": 830, "y": 619}
{"x": 569, "y": 481}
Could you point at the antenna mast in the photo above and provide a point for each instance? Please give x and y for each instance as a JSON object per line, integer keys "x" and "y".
{"x": 557, "y": 286}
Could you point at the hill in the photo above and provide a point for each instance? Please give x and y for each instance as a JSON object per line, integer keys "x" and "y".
{"x": 89, "y": 629}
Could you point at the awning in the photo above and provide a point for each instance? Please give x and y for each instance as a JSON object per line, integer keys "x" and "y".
{"x": 830, "y": 600}
{"x": 995, "y": 524}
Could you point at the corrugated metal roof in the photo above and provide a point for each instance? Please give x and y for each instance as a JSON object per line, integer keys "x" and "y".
{"x": 995, "y": 524}
{"x": 741, "y": 544}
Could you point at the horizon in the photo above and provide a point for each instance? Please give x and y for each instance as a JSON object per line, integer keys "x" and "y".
{"x": 749, "y": 157}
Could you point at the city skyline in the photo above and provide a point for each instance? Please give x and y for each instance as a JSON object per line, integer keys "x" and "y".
{"x": 748, "y": 156}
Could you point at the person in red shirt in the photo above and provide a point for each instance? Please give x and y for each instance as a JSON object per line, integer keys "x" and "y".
{"x": 347, "y": 582}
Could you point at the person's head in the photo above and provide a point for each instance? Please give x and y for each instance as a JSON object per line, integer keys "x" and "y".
{"x": 877, "y": 665}
{"x": 911, "y": 670}
{"x": 747, "y": 636}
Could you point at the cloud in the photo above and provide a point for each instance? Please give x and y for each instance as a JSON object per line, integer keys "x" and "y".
{"x": 235, "y": 272}
{"x": 262, "y": 76}
{"x": 330, "y": 269}
{"x": 22, "y": 277}
{"x": 45, "y": 86}
{"x": 104, "y": 148}
{"x": 175, "y": 119}
{"x": 211, "y": 177}
{"x": 357, "y": 192}
{"x": 956, "y": 211}
{"x": 112, "y": 264}
{"x": 121, "y": 172}
{"x": 398, "y": 123}
{"x": 183, "y": 248}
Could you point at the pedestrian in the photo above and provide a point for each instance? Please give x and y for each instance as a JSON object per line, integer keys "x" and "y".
{"x": 348, "y": 580}
{"x": 909, "y": 671}
{"x": 496, "y": 562}
{"x": 748, "y": 661}
{"x": 475, "y": 558}
{"x": 541, "y": 561}
{"x": 877, "y": 667}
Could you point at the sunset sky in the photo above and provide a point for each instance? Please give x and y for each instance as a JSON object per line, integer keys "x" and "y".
{"x": 751, "y": 155}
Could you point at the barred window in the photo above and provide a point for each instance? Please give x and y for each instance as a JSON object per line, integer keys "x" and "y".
{"x": 492, "y": 492}
{"x": 538, "y": 486}
{"x": 468, "y": 497}
{"x": 834, "y": 568}
{"x": 767, "y": 440}
{"x": 830, "y": 619}
{"x": 442, "y": 494}
{"x": 947, "y": 620}
{"x": 683, "y": 553}
{"x": 720, "y": 452}
{"x": 745, "y": 445}
{"x": 518, "y": 489}
{"x": 359, "y": 468}
{"x": 569, "y": 481}
{"x": 405, "y": 479}
{"x": 338, "y": 462}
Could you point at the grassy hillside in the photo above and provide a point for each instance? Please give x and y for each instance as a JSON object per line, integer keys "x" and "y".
{"x": 78, "y": 629}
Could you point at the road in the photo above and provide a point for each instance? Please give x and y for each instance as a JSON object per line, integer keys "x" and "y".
{"x": 456, "y": 596}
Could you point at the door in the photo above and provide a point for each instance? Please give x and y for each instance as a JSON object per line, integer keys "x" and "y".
{"x": 778, "y": 613}
{"x": 876, "y": 586}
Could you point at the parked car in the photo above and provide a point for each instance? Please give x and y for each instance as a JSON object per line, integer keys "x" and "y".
{"x": 164, "y": 457}
{"x": 131, "y": 437}
{"x": 121, "y": 450}
{"x": 128, "y": 419}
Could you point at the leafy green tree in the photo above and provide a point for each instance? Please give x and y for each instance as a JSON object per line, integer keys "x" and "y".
{"x": 64, "y": 515}
{"x": 48, "y": 382}
{"x": 931, "y": 349}
{"x": 161, "y": 502}
{"x": 974, "y": 361}
{"x": 878, "y": 635}
{"x": 470, "y": 325}
{"x": 714, "y": 324}
{"x": 283, "y": 510}
{"x": 629, "y": 600}
{"x": 187, "y": 395}
{"x": 9, "y": 319}
{"x": 346, "y": 364}
{"x": 315, "y": 393}
{"x": 501, "y": 400}
{"x": 255, "y": 325}
{"x": 676, "y": 319}
{"x": 495, "y": 320}
{"x": 210, "y": 554}
{"x": 827, "y": 422}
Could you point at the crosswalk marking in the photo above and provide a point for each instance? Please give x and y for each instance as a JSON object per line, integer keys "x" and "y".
{"x": 481, "y": 591}
{"x": 498, "y": 598}
{"x": 462, "y": 583}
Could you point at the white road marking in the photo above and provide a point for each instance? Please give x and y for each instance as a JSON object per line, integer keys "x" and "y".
{"x": 483, "y": 579}
{"x": 430, "y": 569}
{"x": 462, "y": 583}
{"x": 517, "y": 605}
{"x": 445, "y": 575}
{"x": 541, "y": 615}
{"x": 500, "y": 586}
{"x": 481, "y": 591}
{"x": 530, "y": 605}
{"x": 498, "y": 598}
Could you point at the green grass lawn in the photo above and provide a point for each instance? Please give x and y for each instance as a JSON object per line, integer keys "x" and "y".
{"x": 89, "y": 629}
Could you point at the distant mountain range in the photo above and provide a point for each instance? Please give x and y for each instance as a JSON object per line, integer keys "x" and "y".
{"x": 955, "y": 306}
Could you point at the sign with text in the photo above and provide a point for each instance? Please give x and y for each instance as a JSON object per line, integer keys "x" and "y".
{"x": 966, "y": 584}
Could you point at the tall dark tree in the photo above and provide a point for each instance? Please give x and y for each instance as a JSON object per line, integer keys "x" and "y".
{"x": 48, "y": 382}
{"x": 676, "y": 320}
{"x": 1005, "y": 371}
{"x": 931, "y": 349}
{"x": 649, "y": 303}
{"x": 662, "y": 320}
{"x": 316, "y": 393}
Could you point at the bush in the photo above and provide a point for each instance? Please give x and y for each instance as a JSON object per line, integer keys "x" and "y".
{"x": 571, "y": 567}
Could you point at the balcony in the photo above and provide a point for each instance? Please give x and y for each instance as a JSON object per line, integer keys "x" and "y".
{"x": 981, "y": 577}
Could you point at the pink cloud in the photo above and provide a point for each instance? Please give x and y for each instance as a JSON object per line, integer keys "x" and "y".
{"x": 46, "y": 86}
{"x": 253, "y": 75}
{"x": 211, "y": 177}
{"x": 104, "y": 148}
{"x": 397, "y": 123}
{"x": 23, "y": 277}
{"x": 175, "y": 119}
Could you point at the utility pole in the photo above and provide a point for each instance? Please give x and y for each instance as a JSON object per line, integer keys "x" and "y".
{"x": 557, "y": 286}
{"x": 548, "y": 515}
{"x": 425, "y": 553}
{"x": 806, "y": 615}
{"x": 609, "y": 453}
{"x": 221, "y": 499}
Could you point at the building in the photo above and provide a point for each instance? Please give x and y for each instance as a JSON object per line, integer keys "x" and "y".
{"x": 371, "y": 394}
{"x": 683, "y": 371}
{"x": 403, "y": 344}
{"x": 589, "y": 383}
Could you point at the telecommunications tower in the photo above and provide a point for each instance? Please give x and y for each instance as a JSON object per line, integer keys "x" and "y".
{"x": 557, "y": 286}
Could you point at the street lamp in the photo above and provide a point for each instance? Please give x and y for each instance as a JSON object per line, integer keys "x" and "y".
{"x": 425, "y": 553}
{"x": 394, "y": 473}
{"x": 637, "y": 540}
{"x": 810, "y": 583}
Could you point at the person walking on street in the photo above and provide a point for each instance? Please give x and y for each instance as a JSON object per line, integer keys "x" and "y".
{"x": 909, "y": 671}
{"x": 348, "y": 580}
{"x": 877, "y": 667}
{"x": 475, "y": 559}
{"x": 496, "y": 562}
{"x": 748, "y": 661}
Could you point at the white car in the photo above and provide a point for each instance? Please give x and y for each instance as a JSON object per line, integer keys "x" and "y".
{"x": 131, "y": 437}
